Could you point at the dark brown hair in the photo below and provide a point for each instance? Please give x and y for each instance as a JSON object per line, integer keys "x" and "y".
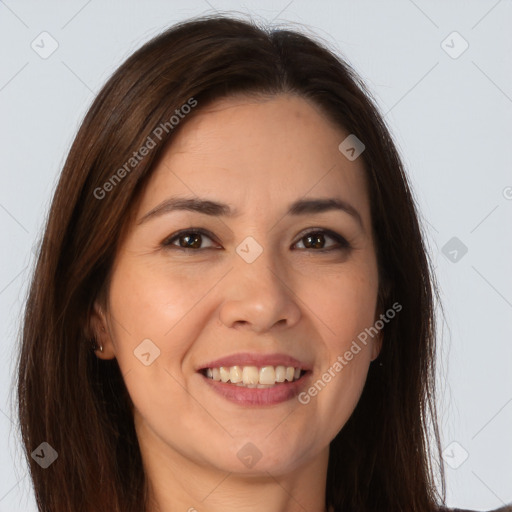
{"x": 381, "y": 460}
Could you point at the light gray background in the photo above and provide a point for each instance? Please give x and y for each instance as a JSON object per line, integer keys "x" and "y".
{"x": 451, "y": 118}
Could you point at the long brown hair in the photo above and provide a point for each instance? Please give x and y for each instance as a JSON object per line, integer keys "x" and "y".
{"x": 381, "y": 460}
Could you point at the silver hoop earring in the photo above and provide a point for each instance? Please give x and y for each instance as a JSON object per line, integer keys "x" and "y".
{"x": 95, "y": 346}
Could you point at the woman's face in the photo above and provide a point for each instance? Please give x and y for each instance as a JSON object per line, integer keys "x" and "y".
{"x": 251, "y": 283}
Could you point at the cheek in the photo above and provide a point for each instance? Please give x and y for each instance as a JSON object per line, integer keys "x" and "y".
{"x": 343, "y": 303}
{"x": 147, "y": 304}
{"x": 153, "y": 318}
{"x": 147, "y": 300}
{"x": 344, "y": 306}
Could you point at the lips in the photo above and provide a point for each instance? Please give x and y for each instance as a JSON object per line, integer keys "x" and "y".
{"x": 254, "y": 359}
{"x": 255, "y": 396}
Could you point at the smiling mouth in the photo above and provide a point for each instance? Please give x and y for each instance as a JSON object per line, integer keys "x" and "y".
{"x": 254, "y": 376}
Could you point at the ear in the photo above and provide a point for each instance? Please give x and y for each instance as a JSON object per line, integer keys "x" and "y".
{"x": 100, "y": 331}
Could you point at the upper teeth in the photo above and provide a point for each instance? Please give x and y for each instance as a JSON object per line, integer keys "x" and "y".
{"x": 252, "y": 375}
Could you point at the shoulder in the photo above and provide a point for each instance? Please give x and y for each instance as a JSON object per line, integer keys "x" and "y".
{"x": 506, "y": 508}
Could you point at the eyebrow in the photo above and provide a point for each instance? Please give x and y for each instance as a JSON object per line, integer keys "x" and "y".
{"x": 216, "y": 209}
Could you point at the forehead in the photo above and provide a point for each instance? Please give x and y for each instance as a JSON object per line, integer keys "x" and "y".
{"x": 269, "y": 151}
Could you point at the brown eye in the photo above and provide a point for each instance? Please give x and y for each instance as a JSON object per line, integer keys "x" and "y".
{"x": 316, "y": 240}
{"x": 189, "y": 239}
{"x": 313, "y": 240}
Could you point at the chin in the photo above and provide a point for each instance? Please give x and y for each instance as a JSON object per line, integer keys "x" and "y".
{"x": 259, "y": 458}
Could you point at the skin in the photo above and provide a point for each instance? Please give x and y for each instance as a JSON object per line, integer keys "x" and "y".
{"x": 257, "y": 155}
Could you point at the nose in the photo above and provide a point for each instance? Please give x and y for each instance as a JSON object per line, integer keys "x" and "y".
{"x": 259, "y": 296}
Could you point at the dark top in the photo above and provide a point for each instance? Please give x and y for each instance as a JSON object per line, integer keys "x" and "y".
{"x": 506, "y": 508}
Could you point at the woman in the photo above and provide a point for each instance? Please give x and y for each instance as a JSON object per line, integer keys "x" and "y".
{"x": 234, "y": 235}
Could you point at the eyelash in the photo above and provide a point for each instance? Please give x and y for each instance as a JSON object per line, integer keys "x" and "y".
{"x": 343, "y": 244}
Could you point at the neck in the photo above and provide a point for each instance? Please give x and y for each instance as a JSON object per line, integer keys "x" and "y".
{"x": 230, "y": 492}
{"x": 176, "y": 483}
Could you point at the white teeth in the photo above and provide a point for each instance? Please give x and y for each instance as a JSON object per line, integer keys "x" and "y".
{"x": 250, "y": 375}
{"x": 254, "y": 377}
{"x": 280, "y": 373}
{"x": 235, "y": 374}
{"x": 224, "y": 374}
{"x": 268, "y": 375}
